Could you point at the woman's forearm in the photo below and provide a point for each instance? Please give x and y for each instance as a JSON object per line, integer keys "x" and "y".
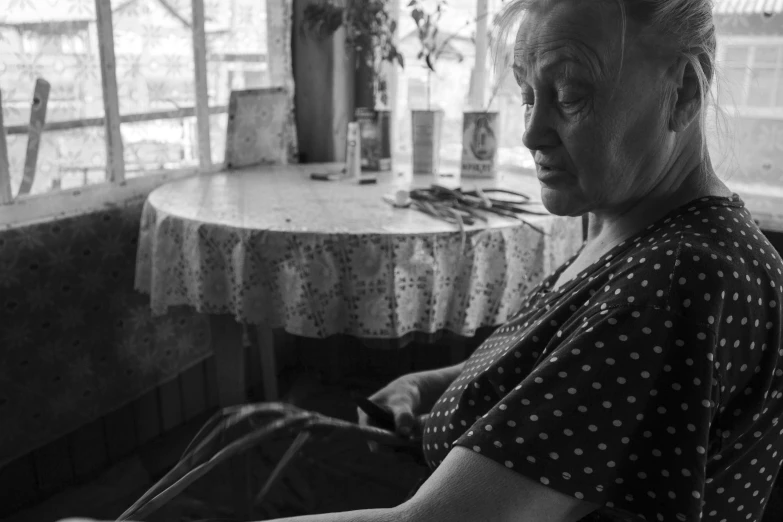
{"x": 363, "y": 515}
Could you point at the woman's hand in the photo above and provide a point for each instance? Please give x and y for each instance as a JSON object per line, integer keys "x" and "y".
{"x": 401, "y": 397}
{"x": 410, "y": 398}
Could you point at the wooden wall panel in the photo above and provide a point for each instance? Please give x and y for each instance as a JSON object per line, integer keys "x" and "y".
{"x": 18, "y": 484}
{"x": 53, "y": 466}
{"x": 170, "y": 405}
{"x": 120, "y": 429}
{"x": 210, "y": 378}
{"x": 193, "y": 387}
{"x": 147, "y": 415}
{"x": 252, "y": 360}
{"x": 88, "y": 450}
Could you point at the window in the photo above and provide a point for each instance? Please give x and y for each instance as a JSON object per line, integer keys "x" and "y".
{"x": 153, "y": 46}
{"x": 752, "y": 78}
{"x": 449, "y": 87}
{"x": 748, "y": 154}
{"x": 749, "y": 91}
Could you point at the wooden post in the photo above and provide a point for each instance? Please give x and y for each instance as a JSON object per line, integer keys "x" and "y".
{"x": 35, "y": 130}
{"x": 115, "y": 160}
{"x": 281, "y": 25}
{"x": 393, "y": 80}
{"x": 266, "y": 348}
{"x": 324, "y": 89}
{"x": 202, "y": 90}
{"x": 226, "y": 340}
{"x": 480, "y": 66}
{"x": 5, "y": 170}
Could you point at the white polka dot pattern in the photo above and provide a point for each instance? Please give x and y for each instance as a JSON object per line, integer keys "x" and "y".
{"x": 649, "y": 384}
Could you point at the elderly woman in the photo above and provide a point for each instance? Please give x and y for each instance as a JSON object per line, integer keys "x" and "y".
{"x": 642, "y": 380}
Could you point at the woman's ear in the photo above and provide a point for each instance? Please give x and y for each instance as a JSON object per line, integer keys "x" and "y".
{"x": 686, "y": 100}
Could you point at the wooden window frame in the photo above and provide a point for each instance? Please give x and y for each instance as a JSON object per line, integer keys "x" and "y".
{"x": 741, "y": 107}
{"x": 116, "y": 189}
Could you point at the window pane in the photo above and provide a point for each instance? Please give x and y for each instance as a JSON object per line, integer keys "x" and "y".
{"x": 448, "y": 86}
{"x": 765, "y": 55}
{"x": 737, "y": 54}
{"x": 751, "y": 162}
{"x": 236, "y": 57}
{"x": 58, "y": 43}
{"x": 732, "y": 86}
{"x": 762, "y": 87}
{"x": 153, "y": 45}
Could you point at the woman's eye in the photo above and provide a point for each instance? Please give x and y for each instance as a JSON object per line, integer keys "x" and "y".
{"x": 569, "y": 99}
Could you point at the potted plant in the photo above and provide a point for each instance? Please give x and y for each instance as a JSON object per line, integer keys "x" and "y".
{"x": 426, "y": 124}
{"x": 369, "y": 30}
{"x": 479, "y": 125}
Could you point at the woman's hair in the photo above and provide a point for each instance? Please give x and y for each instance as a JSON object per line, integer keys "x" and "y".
{"x": 687, "y": 23}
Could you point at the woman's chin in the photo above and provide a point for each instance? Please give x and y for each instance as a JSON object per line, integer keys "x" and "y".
{"x": 562, "y": 203}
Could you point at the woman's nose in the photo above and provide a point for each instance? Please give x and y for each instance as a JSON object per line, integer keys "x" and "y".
{"x": 539, "y": 132}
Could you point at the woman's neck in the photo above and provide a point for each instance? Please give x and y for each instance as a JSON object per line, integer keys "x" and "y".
{"x": 607, "y": 230}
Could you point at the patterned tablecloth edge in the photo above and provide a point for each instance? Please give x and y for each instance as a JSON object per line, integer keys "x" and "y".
{"x": 563, "y": 241}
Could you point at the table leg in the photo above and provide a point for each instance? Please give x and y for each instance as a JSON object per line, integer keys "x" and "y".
{"x": 265, "y": 344}
{"x": 229, "y": 353}
{"x": 226, "y": 341}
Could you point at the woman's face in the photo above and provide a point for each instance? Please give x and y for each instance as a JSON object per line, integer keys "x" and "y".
{"x": 598, "y": 133}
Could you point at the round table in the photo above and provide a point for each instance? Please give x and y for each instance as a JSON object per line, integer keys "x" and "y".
{"x": 268, "y": 246}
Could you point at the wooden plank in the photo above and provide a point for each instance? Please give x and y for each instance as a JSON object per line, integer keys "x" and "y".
{"x": 5, "y": 170}
{"x": 120, "y": 428}
{"x": 210, "y": 377}
{"x": 88, "y": 449}
{"x": 253, "y": 358}
{"x": 18, "y": 484}
{"x": 51, "y": 206}
{"x": 53, "y": 466}
{"x": 266, "y": 351}
{"x": 480, "y": 65}
{"x": 115, "y": 160}
{"x": 314, "y": 69}
{"x": 226, "y": 340}
{"x": 139, "y": 117}
{"x": 170, "y": 405}
{"x": 343, "y": 75}
{"x": 146, "y": 410}
{"x": 229, "y": 355}
{"x": 194, "y": 397}
{"x": 37, "y": 121}
{"x": 202, "y": 93}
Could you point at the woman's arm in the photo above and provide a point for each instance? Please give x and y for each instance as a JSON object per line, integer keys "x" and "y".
{"x": 468, "y": 487}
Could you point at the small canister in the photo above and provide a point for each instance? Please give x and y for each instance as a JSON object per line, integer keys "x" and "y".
{"x": 480, "y": 144}
{"x": 353, "y": 159}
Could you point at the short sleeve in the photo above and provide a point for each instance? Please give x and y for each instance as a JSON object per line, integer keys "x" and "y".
{"x": 617, "y": 413}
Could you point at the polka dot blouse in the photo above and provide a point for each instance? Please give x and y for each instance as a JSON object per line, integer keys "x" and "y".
{"x": 649, "y": 384}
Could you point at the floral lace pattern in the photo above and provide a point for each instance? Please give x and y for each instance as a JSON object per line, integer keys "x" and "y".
{"x": 316, "y": 281}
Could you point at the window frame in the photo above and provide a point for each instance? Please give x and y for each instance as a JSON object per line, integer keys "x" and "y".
{"x": 118, "y": 189}
{"x": 740, "y": 107}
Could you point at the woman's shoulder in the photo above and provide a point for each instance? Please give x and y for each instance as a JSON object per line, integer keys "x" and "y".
{"x": 707, "y": 262}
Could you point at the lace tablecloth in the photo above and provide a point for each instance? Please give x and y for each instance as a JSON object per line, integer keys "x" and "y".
{"x": 271, "y": 246}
